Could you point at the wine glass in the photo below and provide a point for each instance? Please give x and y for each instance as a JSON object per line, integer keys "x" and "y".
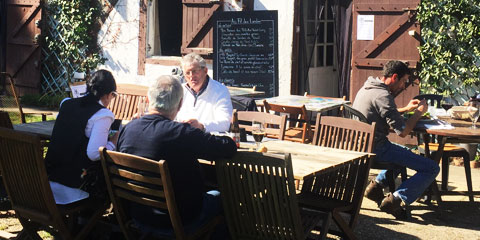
{"x": 447, "y": 103}
{"x": 473, "y": 111}
{"x": 258, "y": 132}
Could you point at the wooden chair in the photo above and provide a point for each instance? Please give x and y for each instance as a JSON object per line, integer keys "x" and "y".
{"x": 432, "y": 99}
{"x": 153, "y": 188}
{"x": 5, "y": 120}
{"x": 274, "y": 125}
{"x": 449, "y": 150}
{"x": 340, "y": 190}
{"x": 28, "y": 188}
{"x": 259, "y": 198}
{"x": 13, "y": 91}
{"x": 131, "y": 99}
{"x": 349, "y": 112}
{"x": 298, "y": 129}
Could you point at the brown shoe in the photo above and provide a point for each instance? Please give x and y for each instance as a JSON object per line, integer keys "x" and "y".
{"x": 374, "y": 192}
{"x": 393, "y": 206}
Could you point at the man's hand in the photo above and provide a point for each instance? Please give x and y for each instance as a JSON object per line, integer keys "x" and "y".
{"x": 422, "y": 106}
{"x": 196, "y": 124}
{"x": 412, "y": 105}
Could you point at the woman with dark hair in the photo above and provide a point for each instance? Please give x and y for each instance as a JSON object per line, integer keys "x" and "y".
{"x": 81, "y": 127}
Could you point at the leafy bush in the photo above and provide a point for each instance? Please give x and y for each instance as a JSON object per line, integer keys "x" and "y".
{"x": 46, "y": 101}
{"x": 450, "y": 53}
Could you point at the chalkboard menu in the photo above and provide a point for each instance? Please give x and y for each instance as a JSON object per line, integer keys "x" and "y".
{"x": 246, "y": 50}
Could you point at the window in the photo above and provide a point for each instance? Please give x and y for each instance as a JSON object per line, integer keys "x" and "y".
{"x": 164, "y": 28}
{"x": 323, "y": 47}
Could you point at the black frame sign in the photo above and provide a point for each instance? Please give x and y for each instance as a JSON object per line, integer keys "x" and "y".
{"x": 246, "y": 50}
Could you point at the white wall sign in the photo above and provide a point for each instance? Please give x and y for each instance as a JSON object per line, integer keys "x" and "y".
{"x": 365, "y": 27}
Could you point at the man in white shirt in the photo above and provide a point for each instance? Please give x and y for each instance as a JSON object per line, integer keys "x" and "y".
{"x": 206, "y": 102}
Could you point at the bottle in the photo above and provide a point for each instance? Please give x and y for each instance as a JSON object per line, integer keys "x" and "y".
{"x": 235, "y": 131}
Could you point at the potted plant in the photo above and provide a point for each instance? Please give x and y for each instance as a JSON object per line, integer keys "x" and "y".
{"x": 476, "y": 162}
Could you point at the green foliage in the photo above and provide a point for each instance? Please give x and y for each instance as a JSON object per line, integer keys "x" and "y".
{"x": 78, "y": 23}
{"x": 46, "y": 101}
{"x": 450, "y": 55}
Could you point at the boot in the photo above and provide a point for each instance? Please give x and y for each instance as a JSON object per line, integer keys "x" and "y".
{"x": 374, "y": 192}
{"x": 393, "y": 206}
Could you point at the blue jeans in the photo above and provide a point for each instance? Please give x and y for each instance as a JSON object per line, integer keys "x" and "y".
{"x": 414, "y": 186}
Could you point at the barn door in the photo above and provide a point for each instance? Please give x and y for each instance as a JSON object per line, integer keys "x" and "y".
{"x": 395, "y": 37}
{"x": 197, "y": 34}
{"x": 23, "y": 50}
{"x": 392, "y": 24}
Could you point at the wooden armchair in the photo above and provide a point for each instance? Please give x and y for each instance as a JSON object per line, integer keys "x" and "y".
{"x": 126, "y": 184}
{"x": 274, "y": 125}
{"x": 340, "y": 190}
{"x": 25, "y": 178}
{"x": 259, "y": 198}
{"x": 298, "y": 128}
{"x": 131, "y": 99}
{"x": 17, "y": 104}
{"x": 5, "y": 120}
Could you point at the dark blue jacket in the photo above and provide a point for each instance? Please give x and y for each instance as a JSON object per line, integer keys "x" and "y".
{"x": 180, "y": 145}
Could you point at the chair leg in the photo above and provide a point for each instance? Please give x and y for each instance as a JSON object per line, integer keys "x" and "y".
{"x": 445, "y": 166}
{"x": 343, "y": 226}
{"x": 468, "y": 174}
{"x": 29, "y": 230}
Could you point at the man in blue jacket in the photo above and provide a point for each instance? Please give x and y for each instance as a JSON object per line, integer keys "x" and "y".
{"x": 156, "y": 136}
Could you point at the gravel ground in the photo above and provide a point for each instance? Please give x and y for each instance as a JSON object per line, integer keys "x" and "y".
{"x": 456, "y": 218}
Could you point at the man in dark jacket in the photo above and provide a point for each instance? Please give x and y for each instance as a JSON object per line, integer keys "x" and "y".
{"x": 156, "y": 136}
{"x": 376, "y": 101}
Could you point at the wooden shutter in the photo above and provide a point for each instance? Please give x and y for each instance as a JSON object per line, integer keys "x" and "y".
{"x": 393, "y": 22}
{"x": 197, "y": 34}
{"x": 391, "y": 41}
{"x": 23, "y": 50}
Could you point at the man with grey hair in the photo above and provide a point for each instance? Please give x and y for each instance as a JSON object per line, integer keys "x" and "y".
{"x": 156, "y": 136}
{"x": 206, "y": 103}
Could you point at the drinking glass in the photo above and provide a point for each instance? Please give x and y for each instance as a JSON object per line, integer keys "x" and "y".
{"x": 447, "y": 103}
{"x": 473, "y": 111}
{"x": 258, "y": 132}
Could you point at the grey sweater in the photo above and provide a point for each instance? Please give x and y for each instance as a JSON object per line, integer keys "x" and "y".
{"x": 375, "y": 101}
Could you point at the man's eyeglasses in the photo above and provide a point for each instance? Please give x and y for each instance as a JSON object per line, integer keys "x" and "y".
{"x": 193, "y": 71}
{"x": 115, "y": 94}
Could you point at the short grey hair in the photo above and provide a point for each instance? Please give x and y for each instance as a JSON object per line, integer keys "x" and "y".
{"x": 192, "y": 58}
{"x": 165, "y": 94}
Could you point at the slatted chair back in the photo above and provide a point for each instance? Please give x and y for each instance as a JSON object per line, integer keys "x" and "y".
{"x": 16, "y": 102}
{"x": 259, "y": 198}
{"x": 340, "y": 189}
{"x": 25, "y": 178}
{"x": 344, "y": 133}
{"x": 147, "y": 182}
{"x": 432, "y": 99}
{"x": 298, "y": 124}
{"x": 5, "y": 120}
{"x": 274, "y": 125}
{"x": 352, "y": 113}
{"x": 131, "y": 99}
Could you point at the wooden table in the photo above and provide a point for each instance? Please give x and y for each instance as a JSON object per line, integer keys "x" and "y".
{"x": 43, "y": 129}
{"x": 312, "y": 103}
{"x": 462, "y": 133}
{"x": 306, "y": 158}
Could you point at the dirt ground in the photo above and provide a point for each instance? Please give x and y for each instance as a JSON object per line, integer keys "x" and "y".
{"x": 455, "y": 218}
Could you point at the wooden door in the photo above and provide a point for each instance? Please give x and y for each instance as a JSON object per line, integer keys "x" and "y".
{"x": 396, "y": 37}
{"x": 197, "y": 34}
{"x": 23, "y": 50}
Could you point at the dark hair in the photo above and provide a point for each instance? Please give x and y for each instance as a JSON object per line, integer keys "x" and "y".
{"x": 101, "y": 83}
{"x": 397, "y": 67}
